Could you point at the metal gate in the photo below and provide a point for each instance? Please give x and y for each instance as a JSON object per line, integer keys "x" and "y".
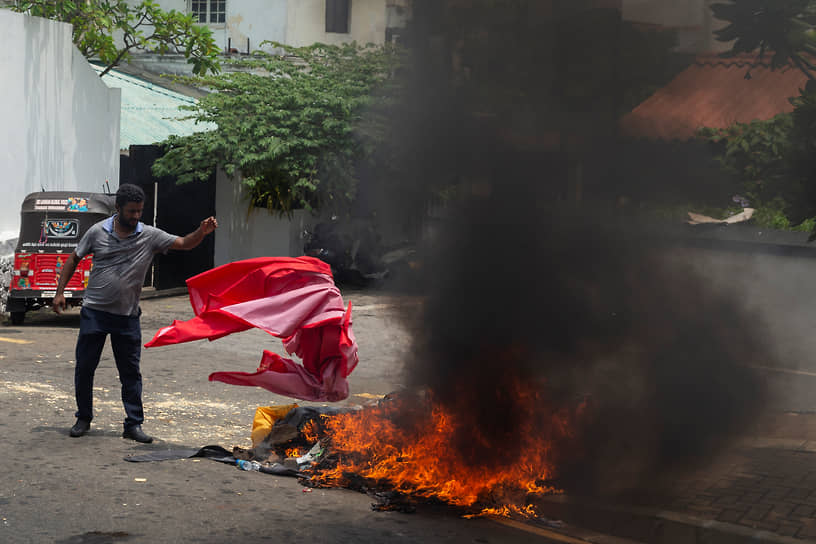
{"x": 177, "y": 209}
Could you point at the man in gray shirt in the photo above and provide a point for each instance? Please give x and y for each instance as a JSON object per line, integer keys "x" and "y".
{"x": 123, "y": 248}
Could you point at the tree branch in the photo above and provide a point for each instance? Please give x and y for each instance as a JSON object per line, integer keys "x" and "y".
{"x": 799, "y": 64}
{"x": 116, "y": 61}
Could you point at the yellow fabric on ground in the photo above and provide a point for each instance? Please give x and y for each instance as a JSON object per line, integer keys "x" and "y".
{"x": 265, "y": 418}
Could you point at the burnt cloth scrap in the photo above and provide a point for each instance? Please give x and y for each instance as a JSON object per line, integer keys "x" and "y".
{"x": 293, "y": 298}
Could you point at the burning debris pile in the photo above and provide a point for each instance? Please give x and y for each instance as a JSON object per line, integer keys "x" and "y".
{"x": 407, "y": 445}
{"x": 404, "y": 449}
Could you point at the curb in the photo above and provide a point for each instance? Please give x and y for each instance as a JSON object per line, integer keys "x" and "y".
{"x": 788, "y": 444}
{"x": 150, "y": 292}
{"x": 653, "y": 526}
{"x": 566, "y": 534}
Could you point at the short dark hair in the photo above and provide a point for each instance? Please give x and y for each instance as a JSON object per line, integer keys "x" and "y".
{"x": 129, "y": 193}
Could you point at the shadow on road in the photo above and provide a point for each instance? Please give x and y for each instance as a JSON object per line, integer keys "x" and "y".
{"x": 157, "y": 445}
{"x": 63, "y": 430}
{"x": 96, "y": 537}
{"x": 44, "y": 318}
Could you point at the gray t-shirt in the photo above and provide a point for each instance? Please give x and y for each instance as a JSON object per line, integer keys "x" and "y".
{"x": 119, "y": 265}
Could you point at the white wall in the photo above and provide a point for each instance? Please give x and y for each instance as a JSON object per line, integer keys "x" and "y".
{"x": 397, "y": 13}
{"x": 243, "y": 234}
{"x": 258, "y": 20}
{"x": 692, "y": 19}
{"x": 60, "y": 123}
{"x": 293, "y": 22}
{"x": 664, "y": 12}
{"x": 307, "y": 23}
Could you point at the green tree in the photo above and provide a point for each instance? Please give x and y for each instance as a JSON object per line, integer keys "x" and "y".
{"x": 755, "y": 154}
{"x": 774, "y": 159}
{"x": 783, "y": 27}
{"x": 98, "y": 23}
{"x": 293, "y": 129}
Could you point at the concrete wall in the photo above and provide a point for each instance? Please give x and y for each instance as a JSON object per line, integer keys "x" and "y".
{"x": 397, "y": 13}
{"x": 664, "y": 12}
{"x": 256, "y": 20}
{"x": 243, "y": 234}
{"x": 692, "y": 19}
{"x": 60, "y": 123}
{"x": 307, "y": 23}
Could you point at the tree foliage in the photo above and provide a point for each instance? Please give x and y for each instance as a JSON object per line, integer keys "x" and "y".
{"x": 756, "y": 154}
{"x": 783, "y": 27}
{"x": 111, "y": 29}
{"x": 774, "y": 159}
{"x": 293, "y": 129}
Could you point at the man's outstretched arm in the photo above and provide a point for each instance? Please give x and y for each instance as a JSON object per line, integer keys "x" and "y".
{"x": 194, "y": 238}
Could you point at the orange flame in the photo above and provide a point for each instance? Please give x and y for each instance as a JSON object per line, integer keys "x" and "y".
{"x": 422, "y": 462}
{"x": 310, "y": 432}
{"x": 507, "y": 511}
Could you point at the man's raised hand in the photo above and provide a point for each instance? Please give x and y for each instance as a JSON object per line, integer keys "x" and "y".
{"x": 209, "y": 225}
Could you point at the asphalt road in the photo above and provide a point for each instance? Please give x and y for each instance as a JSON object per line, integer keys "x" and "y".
{"x": 54, "y": 488}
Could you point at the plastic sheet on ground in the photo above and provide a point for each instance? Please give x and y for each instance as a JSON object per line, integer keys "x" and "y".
{"x": 215, "y": 453}
{"x": 699, "y": 219}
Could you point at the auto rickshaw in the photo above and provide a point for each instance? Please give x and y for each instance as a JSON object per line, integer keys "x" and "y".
{"x": 51, "y": 225}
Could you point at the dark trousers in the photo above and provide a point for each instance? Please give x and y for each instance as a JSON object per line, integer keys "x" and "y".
{"x": 126, "y": 341}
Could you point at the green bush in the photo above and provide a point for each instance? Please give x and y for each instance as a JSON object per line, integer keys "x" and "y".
{"x": 293, "y": 130}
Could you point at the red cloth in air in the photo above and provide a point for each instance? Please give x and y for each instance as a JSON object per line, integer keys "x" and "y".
{"x": 293, "y": 298}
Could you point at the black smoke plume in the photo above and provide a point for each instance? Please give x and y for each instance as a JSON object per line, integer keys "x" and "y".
{"x": 606, "y": 319}
{"x": 536, "y": 274}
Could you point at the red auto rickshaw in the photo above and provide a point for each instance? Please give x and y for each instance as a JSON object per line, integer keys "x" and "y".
{"x": 51, "y": 225}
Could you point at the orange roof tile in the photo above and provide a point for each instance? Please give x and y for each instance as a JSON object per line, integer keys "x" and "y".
{"x": 713, "y": 92}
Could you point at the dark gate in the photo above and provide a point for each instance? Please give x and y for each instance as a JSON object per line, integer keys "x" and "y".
{"x": 177, "y": 209}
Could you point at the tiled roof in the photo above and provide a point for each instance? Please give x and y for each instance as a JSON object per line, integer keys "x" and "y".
{"x": 150, "y": 112}
{"x": 714, "y": 92}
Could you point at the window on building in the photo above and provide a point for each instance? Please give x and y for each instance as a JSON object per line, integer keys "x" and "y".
{"x": 337, "y": 16}
{"x": 209, "y": 11}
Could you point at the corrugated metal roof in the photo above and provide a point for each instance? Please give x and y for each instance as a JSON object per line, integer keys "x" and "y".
{"x": 150, "y": 113}
{"x": 713, "y": 92}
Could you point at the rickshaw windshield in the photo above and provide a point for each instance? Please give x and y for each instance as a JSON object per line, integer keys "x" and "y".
{"x": 55, "y": 221}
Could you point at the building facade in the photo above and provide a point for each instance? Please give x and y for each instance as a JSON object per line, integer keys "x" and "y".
{"x": 242, "y": 25}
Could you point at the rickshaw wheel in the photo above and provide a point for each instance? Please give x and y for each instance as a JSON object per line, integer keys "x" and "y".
{"x": 17, "y": 318}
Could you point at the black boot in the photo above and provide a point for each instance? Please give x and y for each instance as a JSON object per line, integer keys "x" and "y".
{"x": 80, "y": 427}
{"x": 136, "y": 433}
